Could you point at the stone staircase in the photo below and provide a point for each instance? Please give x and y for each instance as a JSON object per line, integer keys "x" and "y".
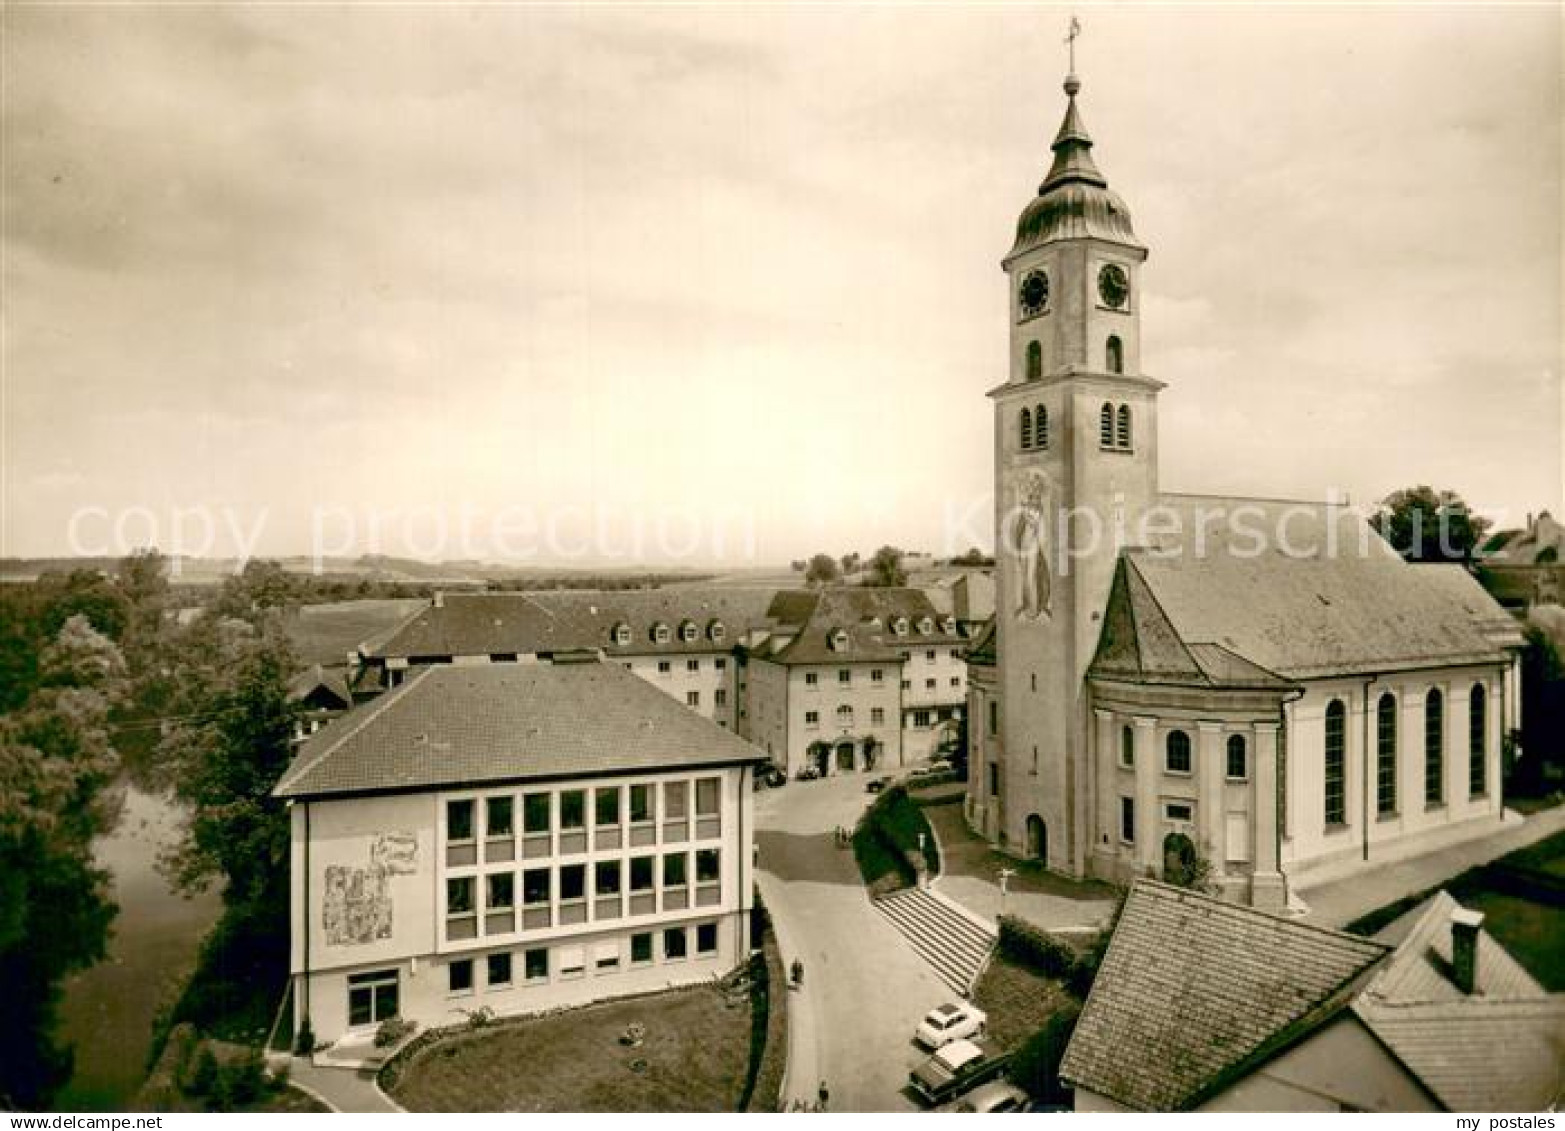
{"x": 944, "y": 935}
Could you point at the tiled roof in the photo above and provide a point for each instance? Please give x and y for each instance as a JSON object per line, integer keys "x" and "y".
{"x": 486, "y": 624}
{"x": 450, "y": 725}
{"x": 1305, "y": 614}
{"x": 1501, "y": 1049}
{"x": 1481, "y": 1054}
{"x": 1194, "y": 990}
{"x": 333, "y": 682}
{"x": 1421, "y": 971}
{"x": 1139, "y": 643}
{"x": 807, "y": 621}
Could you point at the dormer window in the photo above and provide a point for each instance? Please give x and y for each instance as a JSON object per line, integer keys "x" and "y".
{"x": 839, "y": 640}
{"x": 925, "y": 626}
{"x": 899, "y": 626}
{"x": 716, "y": 632}
{"x": 661, "y": 634}
{"x": 622, "y": 634}
{"x": 688, "y": 632}
{"x": 948, "y": 626}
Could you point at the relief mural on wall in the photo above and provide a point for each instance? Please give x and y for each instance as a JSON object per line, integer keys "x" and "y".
{"x": 356, "y": 905}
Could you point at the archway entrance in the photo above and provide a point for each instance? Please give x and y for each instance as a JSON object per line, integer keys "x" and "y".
{"x": 1179, "y": 859}
{"x": 844, "y": 755}
{"x": 1038, "y": 839}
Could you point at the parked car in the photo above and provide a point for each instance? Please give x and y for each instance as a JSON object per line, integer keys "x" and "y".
{"x": 809, "y": 773}
{"x": 956, "y": 1068}
{"x": 994, "y": 1098}
{"x": 770, "y": 777}
{"x": 953, "y": 1021}
{"x": 919, "y": 773}
{"x": 875, "y": 785}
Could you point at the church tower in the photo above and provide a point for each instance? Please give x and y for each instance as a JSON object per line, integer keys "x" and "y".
{"x": 1075, "y": 446}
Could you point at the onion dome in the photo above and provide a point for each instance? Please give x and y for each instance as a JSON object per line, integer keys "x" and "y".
{"x": 1074, "y": 200}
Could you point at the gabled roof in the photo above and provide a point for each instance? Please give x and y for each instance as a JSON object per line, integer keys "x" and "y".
{"x": 1334, "y": 600}
{"x": 1499, "y": 1049}
{"x": 487, "y": 624}
{"x": 319, "y": 682}
{"x": 1194, "y": 990}
{"x": 807, "y": 621}
{"x": 459, "y": 725}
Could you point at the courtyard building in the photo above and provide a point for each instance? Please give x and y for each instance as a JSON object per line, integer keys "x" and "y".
{"x": 513, "y": 838}
{"x": 855, "y": 679}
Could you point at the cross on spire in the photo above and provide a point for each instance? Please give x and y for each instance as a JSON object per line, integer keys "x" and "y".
{"x": 1070, "y": 41}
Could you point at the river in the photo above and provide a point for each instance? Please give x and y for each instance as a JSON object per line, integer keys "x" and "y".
{"x": 107, "y": 1011}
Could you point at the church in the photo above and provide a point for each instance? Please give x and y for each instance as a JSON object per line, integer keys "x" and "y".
{"x": 1253, "y": 694}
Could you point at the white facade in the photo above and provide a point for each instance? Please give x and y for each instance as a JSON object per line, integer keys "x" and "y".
{"x": 394, "y": 911}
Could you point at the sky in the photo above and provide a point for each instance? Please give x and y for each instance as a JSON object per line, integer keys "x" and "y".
{"x": 721, "y": 283}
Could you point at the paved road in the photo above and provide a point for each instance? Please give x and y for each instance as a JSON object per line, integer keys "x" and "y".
{"x": 864, "y": 988}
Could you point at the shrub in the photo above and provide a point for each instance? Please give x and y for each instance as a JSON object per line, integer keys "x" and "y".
{"x": 1035, "y": 1068}
{"x": 1036, "y": 949}
{"x": 392, "y": 1030}
{"x": 479, "y": 1018}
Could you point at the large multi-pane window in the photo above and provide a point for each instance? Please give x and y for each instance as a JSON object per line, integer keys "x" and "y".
{"x": 1477, "y": 742}
{"x": 461, "y": 910}
{"x": 1386, "y": 755}
{"x": 459, "y": 820}
{"x": 1434, "y": 748}
{"x": 1336, "y": 763}
{"x": 1178, "y": 753}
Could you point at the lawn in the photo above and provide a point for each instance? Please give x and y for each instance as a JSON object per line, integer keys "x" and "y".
{"x": 694, "y": 1058}
{"x": 1530, "y": 926}
{"x": 325, "y": 634}
{"x": 1018, "y": 1001}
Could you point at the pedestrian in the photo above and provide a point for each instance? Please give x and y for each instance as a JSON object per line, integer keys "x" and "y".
{"x": 798, "y": 972}
{"x": 824, "y": 1095}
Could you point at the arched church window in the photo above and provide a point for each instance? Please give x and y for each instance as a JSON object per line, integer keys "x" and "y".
{"x": 1041, "y": 427}
{"x": 1122, "y": 430}
{"x": 1238, "y": 762}
{"x": 1386, "y": 754}
{"x": 1026, "y": 429}
{"x": 1336, "y": 763}
{"x": 1106, "y": 426}
{"x": 1477, "y": 729}
{"x": 1434, "y": 747}
{"x": 1034, "y": 361}
{"x": 1178, "y": 753}
{"x": 1114, "y": 352}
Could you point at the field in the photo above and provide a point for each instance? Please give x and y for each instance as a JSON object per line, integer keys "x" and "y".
{"x": 325, "y": 634}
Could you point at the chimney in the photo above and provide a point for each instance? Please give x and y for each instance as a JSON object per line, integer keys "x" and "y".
{"x": 1465, "y": 926}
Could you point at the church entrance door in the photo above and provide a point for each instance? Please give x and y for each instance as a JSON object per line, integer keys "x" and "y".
{"x": 1038, "y": 839}
{"x": 844, "y": 755}
{"x": 1179, "y": 859}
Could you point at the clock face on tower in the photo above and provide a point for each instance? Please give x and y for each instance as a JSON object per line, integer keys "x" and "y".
{"x": 1113, "y": 286}
{"x": 1034, "y": 294}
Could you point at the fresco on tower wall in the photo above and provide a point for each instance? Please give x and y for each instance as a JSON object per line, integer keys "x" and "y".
{"x": 356, "y": 904}
{"x": 1029, "y": 544}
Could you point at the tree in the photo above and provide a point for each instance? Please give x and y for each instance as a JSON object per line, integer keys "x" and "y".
{"x": 885, "y": 568}
{"x": 822, "y": 569}
{"x": 256, "y": 591}
{"x": 973, "y": 557}
{"x": 228, "y": 755}
{"x": 851, "y": 562}
{"x": 1425, "y": 525}
{"x": 56, "y": 762}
